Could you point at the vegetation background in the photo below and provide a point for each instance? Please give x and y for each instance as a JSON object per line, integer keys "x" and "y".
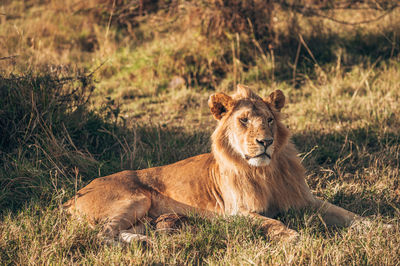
{"x": 88, "y": 88}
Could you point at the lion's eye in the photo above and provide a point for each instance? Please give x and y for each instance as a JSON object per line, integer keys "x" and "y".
{"x": 244, "y": 120}
{"x": 270, "y": 120}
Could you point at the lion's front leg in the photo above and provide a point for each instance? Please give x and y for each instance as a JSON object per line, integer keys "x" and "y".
{"x": 275, "y": 229}
{"x": 334, "y": 215}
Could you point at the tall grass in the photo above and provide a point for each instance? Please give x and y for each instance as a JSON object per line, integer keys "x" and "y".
{"x": 48, "y": 133}
{"x": 89, "y": 88}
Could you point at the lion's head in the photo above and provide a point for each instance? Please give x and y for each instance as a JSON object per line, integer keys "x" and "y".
{"x": 249, "y": 130}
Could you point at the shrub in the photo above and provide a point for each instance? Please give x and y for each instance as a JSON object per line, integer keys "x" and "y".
{"x": 49, "y": 134}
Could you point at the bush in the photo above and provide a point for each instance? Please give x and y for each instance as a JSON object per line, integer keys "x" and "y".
{"x": 49, "y": 135}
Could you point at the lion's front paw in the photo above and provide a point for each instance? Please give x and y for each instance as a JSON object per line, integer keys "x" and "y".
{"x": 361, "y": 224}
{"x": 280, "y": 232}
{"x": 127, "y": 237}
{"x": 287, "y": 235}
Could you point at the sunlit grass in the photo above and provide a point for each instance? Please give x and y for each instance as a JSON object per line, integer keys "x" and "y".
{"x": 342, "y": 109}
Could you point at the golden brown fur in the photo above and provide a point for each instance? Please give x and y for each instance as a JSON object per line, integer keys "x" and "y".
{"x": 253, "y": 169}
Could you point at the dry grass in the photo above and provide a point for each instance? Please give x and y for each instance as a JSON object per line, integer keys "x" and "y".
{"x": 158, "y": 64}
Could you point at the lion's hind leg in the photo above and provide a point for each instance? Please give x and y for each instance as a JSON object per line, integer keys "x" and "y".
{"x": 126, "y": 220}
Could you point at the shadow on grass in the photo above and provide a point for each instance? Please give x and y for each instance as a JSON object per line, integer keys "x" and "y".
{"x": 362, "y": 144}
{"x": 362, "y": 162}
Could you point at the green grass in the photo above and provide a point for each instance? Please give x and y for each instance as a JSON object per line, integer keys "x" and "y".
{"x": 84, "y": 98}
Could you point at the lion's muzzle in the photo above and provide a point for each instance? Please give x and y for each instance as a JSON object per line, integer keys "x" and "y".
{"x": 265, "y": 142}
{"x": 263, "y": 156}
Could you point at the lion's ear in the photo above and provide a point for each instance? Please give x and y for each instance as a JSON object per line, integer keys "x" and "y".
{"x": 220, "y": 104}
{"x": 276, "y": 99}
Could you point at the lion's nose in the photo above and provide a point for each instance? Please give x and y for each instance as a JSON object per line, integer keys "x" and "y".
{"x": 265, "y": 142}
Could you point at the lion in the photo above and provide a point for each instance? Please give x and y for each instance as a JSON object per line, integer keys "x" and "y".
{"x": 252, "y": 170}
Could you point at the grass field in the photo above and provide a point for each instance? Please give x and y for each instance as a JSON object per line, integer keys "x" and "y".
{"x": 89, "y": 88}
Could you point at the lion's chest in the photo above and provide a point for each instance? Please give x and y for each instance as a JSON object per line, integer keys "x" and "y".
{"x": 245, "y": 195}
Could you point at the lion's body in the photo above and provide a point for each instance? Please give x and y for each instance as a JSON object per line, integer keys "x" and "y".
{"x": 195, "y": 184}
{"x": 253, "y": 169}
{"x": 164, "y": 189}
